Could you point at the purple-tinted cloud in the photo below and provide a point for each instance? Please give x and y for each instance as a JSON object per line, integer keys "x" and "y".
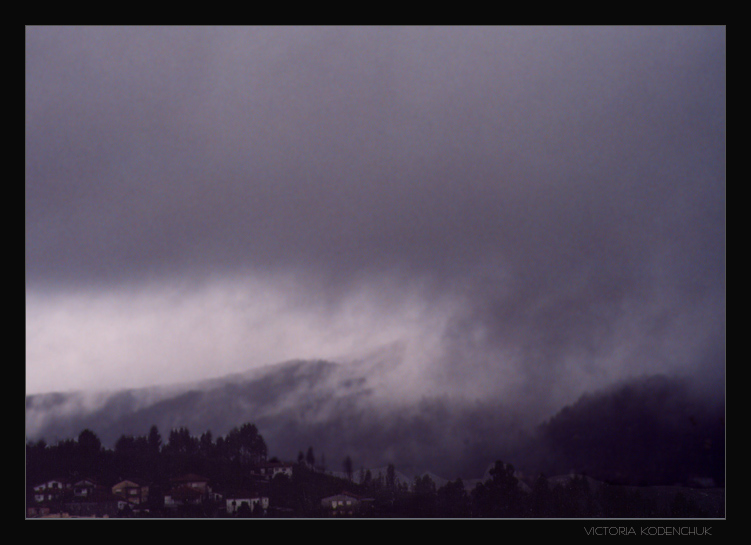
{"x": 561, "y": 191}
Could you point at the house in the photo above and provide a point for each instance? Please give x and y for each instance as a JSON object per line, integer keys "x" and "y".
{"x": 345, "y": 504}
{"x": 51, "y": 490}
{"x": 253, "y": 500}
{"x": 84, "y": 488}
{"x": 191, "y": 480}
{"x": 183, "y": 495}
{"x": 271, "y": 469}
{"x": 190, "y": 489}
{"x": 54, "y": 484}
{"x": 134, "y": 491}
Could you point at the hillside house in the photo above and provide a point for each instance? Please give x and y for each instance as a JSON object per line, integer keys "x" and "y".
{"x": 84, "y": 488}
{"x": 271, "y": 469}
{"x": 193, "y": 481}
{"x": 134, "y": 491}
{"x": 51, "y": 490}
{"x": 54, "y": 489}
{"x": 345, "y": 504}
{"x": 183, "y": 495}
{"x": 190, "y": 489}
{"x": 253, "y": 500}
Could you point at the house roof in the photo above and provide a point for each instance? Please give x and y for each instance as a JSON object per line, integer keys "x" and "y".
{"x": 343, "y": 495}
{"x": 57, "y": 480}
{"x": 48, "y": 481}
{"x": 131, "y": 483}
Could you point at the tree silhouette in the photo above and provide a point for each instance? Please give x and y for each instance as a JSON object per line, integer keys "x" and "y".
{"x": 452, "y": 500}
{"x": 244, "y": 511}
{"x": 89, "y": 452}
{"x": 310, "y": 457}
{"x": 424, "y": 497}
{"x": 501, "y": 495}
{"x": 206, "y": 444}
{"x": 391, "y": 477}
{"x": 367, "y": 479}
{"x": 322, "y": 462}
{"x": 246, "y": 444}
{"x": 155, "y": 440}
{"x": 541, "y": 502}
{"x": 347, "y": 464}
{"x": 88, "y": 443}
{"x": 181, "y": 442}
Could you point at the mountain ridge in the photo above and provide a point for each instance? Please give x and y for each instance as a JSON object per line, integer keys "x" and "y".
{"x": 336, "y": 409}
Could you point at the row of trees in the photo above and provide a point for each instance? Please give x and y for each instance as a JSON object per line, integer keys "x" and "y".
{"x": 501, "y": 496}
{"x": 227, "y": 462}
{"x": 148, "y": 457}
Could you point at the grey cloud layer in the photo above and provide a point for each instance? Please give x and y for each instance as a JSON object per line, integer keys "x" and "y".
{"x": 557, "y": 178}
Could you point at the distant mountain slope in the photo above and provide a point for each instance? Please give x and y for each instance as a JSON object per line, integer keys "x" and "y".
{"x": 217, "y": 404}
{"x": 645, "y": 432}
{"x": 295, "y": 405}
{"x": 649, "y": 431}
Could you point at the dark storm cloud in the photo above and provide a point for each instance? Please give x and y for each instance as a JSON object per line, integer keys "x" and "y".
{"x": 565, "y": 185}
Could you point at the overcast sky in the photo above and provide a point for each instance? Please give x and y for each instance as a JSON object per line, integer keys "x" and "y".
{"x": 525, "y": 211}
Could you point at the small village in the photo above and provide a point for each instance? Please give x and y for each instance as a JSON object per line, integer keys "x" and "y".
{"x": 190, "y": 477}
{"x": 189, "y": 495}
{"x": 232, "y": 477}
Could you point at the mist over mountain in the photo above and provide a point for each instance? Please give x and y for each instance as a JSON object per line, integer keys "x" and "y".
{"x": 460, "y": 230}
{"x": 648, "y": 431}
{"x": 295, "y": 405}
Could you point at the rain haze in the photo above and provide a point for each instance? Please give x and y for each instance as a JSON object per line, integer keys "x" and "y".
{"x": 526, "y": 213}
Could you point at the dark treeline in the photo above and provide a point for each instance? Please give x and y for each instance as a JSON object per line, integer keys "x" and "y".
{"x": 650, "y": 431}
{"x": 229, "y": 463}
{"x": 149, "y": 457}
{"x": 644, "y": 432}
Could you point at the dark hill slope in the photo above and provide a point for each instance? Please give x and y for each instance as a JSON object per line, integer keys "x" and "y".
{"x": 649, "y": 431}
{"x": 296, "y": 405}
